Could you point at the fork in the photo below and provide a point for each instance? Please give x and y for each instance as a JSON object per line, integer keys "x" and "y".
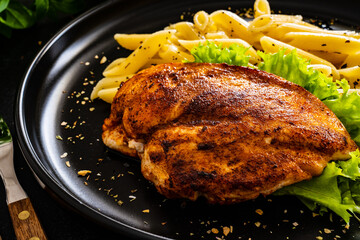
{"x": 25, "y": 221}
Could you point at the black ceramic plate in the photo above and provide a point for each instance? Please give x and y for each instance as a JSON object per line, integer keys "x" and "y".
{"x": 60, "y": 133}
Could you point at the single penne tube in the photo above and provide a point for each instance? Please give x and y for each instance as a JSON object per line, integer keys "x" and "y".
{"x": 261, "y": 24}
{"x": 114, "y": 63}
{"x": 254, "y": 58}
{"x": 186, "y": 30}
{"x": 201, "y": 20}
{"x": 296, "y": 27}
{"x": 261, "y": 7}
{"x": 352, "y": 75}
{"x": 335, "y": 58}
{"x": 272, "y": 27}
{"x": 278, "y": 31}
{"x": 216, "y": 35}
{"x": 323, "y": 42}
{"x": 141, "y": 55}
{"x": 130, "y": 41}
{"x": 273, "y": 46}
{"x": 107, "y": 94}
{"x": 232, "y": 24}
{"x": 284, "y": 18}
{"x": 109, "y": 82}
{"x": 351, "y": 60}
{"x": 324, "y": 69}
{"x": 173, "y": 53}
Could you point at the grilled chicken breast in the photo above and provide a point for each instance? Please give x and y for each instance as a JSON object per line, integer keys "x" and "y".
{"x": 225, "y": 132}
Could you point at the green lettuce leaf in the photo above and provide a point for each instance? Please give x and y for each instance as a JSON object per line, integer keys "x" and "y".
{"x": 212, "y": 53}
{"x": 295, "y": 69}
{"x": 347, "y": 108}
{"x": 337, "y": 188}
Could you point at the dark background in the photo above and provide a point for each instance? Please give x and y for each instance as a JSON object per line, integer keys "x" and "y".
{"x": 16, "y": 54}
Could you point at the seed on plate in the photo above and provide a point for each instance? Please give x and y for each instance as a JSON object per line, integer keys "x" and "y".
{"x": 103, "y": 60}
{"x": 146, "y": 211}
{"x": 67, "y": 163}
{"x": 215, "y": 230}
{"x": 259, "y": 211}
{"x": 226, "y": 230}
{"x": 84, "y": 172}
{"x": 64, "y": 155}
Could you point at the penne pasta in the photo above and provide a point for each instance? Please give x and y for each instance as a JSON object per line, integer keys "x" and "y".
{"x": 323, "y": 42}
{"x": 108, "y": 94}
{"x": 283, "y": 18}
{"x": 216, "y": 35}
{"x": 296, "y": 27}
{"x": 233, "y": 25}
{"x": 141, "y": 55}
{"x": 261, "y": 7}
{"x": 201, "y": 20}
{"x": 110, "y": 82}
{"x": 173, "y": 53}
{"x": 130, "y": 41}
{"x": 334, "y": 57}
{"x": 351, "y": 74}
{"x": 261, "y": 24}
{"x": 186, "y": 30}
{"x": 324, "y": 69}
{"x": 351, "y": 60}
{"x": 114, "y": 63}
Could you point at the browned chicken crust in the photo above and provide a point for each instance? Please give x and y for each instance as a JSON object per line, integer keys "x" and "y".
{"x": 225, "y": 132}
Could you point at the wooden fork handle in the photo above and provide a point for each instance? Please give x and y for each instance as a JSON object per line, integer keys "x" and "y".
{"x": 26, "y": 223}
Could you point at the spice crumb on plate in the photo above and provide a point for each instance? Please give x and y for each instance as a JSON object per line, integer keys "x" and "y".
{"x": 83, "y": 173}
